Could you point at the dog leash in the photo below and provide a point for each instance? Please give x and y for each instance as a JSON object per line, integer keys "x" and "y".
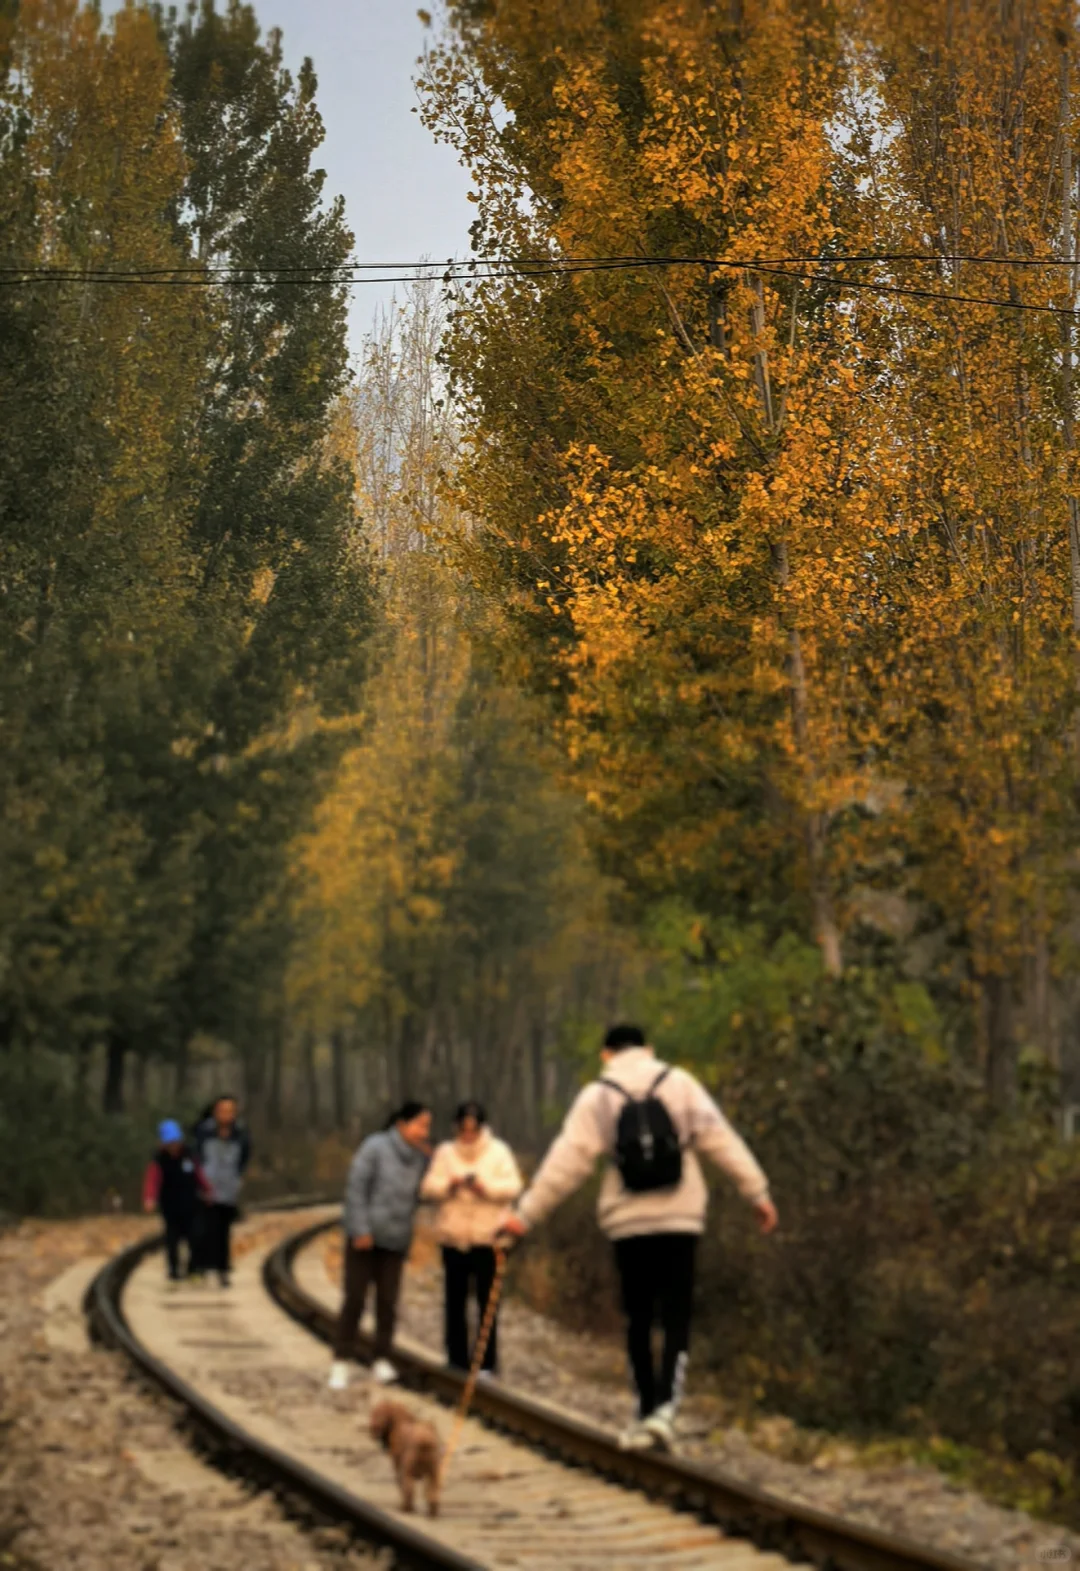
{"x": 482, "y": 1340}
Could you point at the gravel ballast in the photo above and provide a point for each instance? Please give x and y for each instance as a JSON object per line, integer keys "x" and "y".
{"x": 95, "y": 1474}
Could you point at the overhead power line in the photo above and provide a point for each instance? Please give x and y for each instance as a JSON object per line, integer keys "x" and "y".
{"x": 557, "y": 264}
{"x": 821, "y": 270}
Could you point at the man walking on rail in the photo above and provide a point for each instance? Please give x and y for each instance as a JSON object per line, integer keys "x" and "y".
{"x": 650, "y": 1120}
{"x": 223, "y": 1150}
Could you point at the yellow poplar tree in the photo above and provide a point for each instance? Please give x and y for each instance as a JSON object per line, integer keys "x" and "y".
{"x": 670, "y": 465}
{"x": 968, "y": 114}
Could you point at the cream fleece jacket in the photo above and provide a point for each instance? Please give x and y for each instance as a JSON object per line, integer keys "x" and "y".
{"x": 464, "y": 1219}
{"x": 589, "y": 1132}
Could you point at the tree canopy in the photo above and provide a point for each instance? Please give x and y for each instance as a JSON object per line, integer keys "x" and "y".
{"x": 787, "y": 532}
{"x": 184, "y": 591}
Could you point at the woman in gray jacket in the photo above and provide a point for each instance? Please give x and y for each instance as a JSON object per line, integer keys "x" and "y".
{"x": 380, "y": 1202}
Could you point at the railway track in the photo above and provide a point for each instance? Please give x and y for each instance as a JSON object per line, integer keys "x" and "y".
{"x": 532, "y": 1487}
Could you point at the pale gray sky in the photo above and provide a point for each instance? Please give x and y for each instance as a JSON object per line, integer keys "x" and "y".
{"x": 404, "y": 194}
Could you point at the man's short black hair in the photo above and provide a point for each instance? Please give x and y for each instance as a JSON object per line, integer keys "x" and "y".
{"x": 624, "y": 1035}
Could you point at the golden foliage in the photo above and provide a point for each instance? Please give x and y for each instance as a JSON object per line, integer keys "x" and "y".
{"x": 799, "y": 561}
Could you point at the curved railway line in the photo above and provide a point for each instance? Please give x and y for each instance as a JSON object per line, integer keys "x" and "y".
{"x": 532, "y": 1487}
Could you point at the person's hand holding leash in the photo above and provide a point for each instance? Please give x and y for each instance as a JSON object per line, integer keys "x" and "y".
{"x": 767, "y": 1215}
{"x": 364, "y": 1241}
{"x": 509, "y": 1230}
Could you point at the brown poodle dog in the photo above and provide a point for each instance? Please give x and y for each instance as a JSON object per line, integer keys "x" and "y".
{"x": 414, "y": 1450}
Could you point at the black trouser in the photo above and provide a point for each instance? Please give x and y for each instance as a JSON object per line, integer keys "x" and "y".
{"x": 213, "y": 1238}
{"x": 362, "y": 1268}
{"x": 462, "y": 1267}
{"x": 657, "y": 1271}
{"x": 179, "y": 1229}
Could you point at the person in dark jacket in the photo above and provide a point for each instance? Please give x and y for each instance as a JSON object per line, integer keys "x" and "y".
{"x": 172, "y": 1185}
{"x": 381, "y": 1195}
{"x": 223, "y": 1150}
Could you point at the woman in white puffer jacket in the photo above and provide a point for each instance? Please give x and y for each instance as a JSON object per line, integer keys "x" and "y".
{"x": 473, "y": 1178}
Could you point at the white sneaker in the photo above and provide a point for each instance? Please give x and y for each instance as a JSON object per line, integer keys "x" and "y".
{"x": 339, "y": 1375}
{"x": 383, "y": 1372}
{"x": 635, "y": 1437}
{"x": 661, "y": 1426}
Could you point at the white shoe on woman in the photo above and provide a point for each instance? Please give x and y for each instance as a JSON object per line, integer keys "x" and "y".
{"x": 383, "y": 1372}
{"x": 661, "y": 1426}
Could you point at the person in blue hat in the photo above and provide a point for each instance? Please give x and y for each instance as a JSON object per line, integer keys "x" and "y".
{"x": 173, "y": 1183}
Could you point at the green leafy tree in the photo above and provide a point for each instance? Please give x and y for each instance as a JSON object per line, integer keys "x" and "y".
{"x": 98, "y": 398}
{"x": 183, "y": 589}
{"x": 283, "y": 563}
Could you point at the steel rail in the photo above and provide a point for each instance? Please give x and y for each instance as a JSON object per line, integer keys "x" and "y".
{"x": 789, "y": 1527}
{"x": 103, "y": 1306}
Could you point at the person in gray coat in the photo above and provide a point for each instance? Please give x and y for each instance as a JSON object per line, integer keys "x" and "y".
{"x": 223, "y": 1151}
{"x": 381, "y": 1195}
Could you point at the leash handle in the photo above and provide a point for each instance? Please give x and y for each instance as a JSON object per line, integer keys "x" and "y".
{"x": 483, "y": 1338}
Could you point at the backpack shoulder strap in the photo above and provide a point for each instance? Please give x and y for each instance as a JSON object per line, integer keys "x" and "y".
{"x": 657, "y": 1083}
{"x": 615, "y": 1086}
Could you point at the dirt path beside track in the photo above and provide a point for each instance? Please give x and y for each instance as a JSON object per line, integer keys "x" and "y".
{"x": 94, "y": 1475}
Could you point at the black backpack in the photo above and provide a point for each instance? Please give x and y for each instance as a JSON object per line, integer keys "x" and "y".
{"x": 647, "y": 1149}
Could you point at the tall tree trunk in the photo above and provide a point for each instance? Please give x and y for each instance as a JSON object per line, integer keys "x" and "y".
{"x": 391, "y": 1054}
{"x": 408, "y": 1043}
{"x": 273, "y": 1099}
{"x": 182, "y": 1066}
{"x": 311, "y": 1079}
{"x": 112, "y": 1100}
{"x": 815, "y": 825}
{"x": 84, "y": 1058}
{"x": 536, "y": 1076}
{"x": 1068, "y": 249}
{"x": 254, "y": 1067}
{"x": 1045, "y": 1034}
{"x": 340, "y": 1086}
{"x": 138, "y": 1083}
{"x": 1041, "y": 1023}
{"x": 1001, "y": 1045}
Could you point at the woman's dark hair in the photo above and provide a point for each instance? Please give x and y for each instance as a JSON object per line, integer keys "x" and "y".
{"x": 406, "y": 1113}
{"x": 470, "y": 1110}
{"x": 624, "y": 1036}
{"x": 208, "y": 1110}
